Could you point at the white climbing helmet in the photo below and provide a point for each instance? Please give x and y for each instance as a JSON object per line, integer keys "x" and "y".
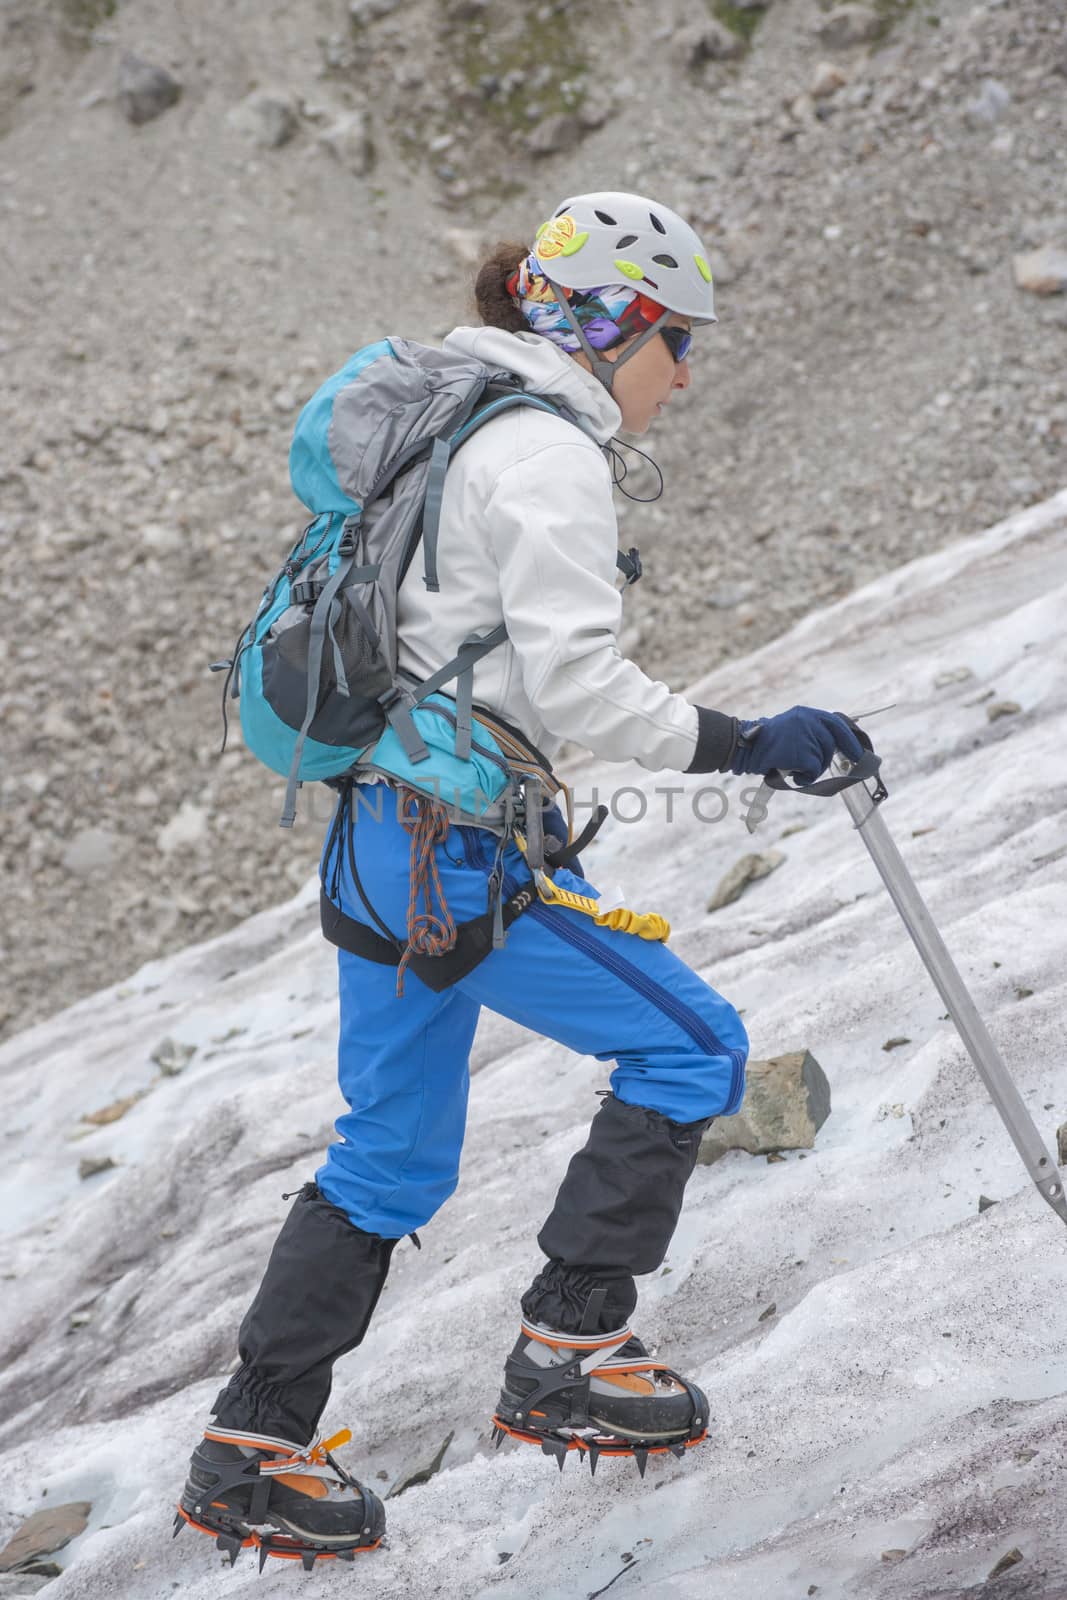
{"x": 608, "y": 237}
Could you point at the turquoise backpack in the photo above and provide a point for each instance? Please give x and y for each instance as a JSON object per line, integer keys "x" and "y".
{"x": 316, "y": 668}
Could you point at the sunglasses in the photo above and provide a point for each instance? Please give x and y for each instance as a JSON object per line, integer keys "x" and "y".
{"x": 679, "y": 342}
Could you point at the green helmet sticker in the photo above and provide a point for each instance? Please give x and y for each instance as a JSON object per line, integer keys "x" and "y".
{"x": 540, "y": 231}
{"x": 630, "y": 269}
{"x": 703, "y": 268}
{"x": 575, "y": 244}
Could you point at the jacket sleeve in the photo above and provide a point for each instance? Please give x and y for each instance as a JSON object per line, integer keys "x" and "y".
{"x": 554, "y": 536}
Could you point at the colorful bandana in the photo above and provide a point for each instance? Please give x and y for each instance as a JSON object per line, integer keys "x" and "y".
{"x": 608, "y": 315}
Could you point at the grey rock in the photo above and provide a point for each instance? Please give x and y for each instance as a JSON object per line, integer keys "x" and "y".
{"x": 1002, "y": 708}
{"x": 349, "y": 141}
{"x": 89, "y": 1166}
{"x": 188, "y": 826}
{"x": 172, "y": 1057}
{"x": 267, "y": 117}
{"x": 984, "y": 1203}
{"x": 1061, "y": 1144}
{"x": 787, "y": 1100}
{"x": 1041, "y": 271}
{"x": 145, "y": 91}
{"x": 90, "y": 850}
{"x": 20, "y": 1585}
{"x": 556, "y": 132}
{"x": 364, "y": 11}
{"x": 826, "y": 80}
{"x": 45, "y": 1532}
{"x": 422, "y": 1472}
{"x": 597, "y": 107}
{"x": 990, "y": 103}
{"x": 702, "y": 42}
{"x": 728, "y": 595}
{"x": 463, "y": 245}
{"x": 748, "y": 870}
{"x": 953, "y": 675}
{"x": 1012, "y": 1559}
{"x": 849, "y": 25}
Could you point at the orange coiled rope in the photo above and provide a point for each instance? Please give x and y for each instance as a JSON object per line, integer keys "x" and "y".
{"x": 429, "y": 934}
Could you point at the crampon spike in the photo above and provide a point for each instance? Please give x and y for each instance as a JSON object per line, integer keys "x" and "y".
{"x": 264, "y": 1556}
{"x": 307, "y": 1560}
{"x": 678, "y": 1450}
{"x": 594, "y": 1456}
{"x": 229, "y": 1546}
{"x": 179, "y": 1524}
{"x": 641, "y": 1457}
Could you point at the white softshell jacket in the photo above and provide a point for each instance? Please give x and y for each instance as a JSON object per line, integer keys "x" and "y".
{"x": 528, "y": 537}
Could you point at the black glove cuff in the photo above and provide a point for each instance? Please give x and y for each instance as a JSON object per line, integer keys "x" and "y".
{"x": 716, "y": 741}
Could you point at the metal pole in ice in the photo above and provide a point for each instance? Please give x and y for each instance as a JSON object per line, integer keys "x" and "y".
{"x": 950, "y": 986}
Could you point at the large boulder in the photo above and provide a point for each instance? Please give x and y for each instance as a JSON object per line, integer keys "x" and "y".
{"x": 787, "y": 1100}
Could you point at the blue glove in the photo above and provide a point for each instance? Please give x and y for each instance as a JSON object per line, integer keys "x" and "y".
{"x": 800, "y": 741}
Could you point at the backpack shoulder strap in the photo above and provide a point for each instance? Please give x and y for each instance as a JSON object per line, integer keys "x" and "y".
{"x": 444, "y": 448}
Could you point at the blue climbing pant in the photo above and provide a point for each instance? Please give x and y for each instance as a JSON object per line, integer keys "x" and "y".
{"x": 679, "y": 1048}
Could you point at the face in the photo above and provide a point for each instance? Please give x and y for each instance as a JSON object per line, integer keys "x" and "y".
{"x": 646, "y": 383}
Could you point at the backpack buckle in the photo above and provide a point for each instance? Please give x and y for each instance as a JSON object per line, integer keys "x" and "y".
{"x": 346, "y": 545}
{"x": 305, "y": 593}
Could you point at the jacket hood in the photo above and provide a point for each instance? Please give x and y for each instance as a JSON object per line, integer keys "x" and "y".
{"x": 543, "y": 368}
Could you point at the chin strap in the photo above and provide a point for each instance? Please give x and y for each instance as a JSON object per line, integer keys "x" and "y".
{"x": 604, "y": 370}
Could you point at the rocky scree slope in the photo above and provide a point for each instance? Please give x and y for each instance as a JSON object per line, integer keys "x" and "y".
{"x": 204, "y": 212}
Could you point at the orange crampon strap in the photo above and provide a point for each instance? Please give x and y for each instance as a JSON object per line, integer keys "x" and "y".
{"x": 316, "y": 1455}
{"x": 429, "y": 934}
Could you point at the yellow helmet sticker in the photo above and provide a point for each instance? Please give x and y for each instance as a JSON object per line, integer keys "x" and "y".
{"x": 559, "y": 237}
{"x": 703, "y": 268}
{"x": 630, "y": 269}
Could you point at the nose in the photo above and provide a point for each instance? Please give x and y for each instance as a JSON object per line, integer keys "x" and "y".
{"x": 682, "y": 375}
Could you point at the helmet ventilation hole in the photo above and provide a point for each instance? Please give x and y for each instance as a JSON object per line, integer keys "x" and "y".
{"x": 603, "y": 217}
{"x": 627, "y": 239}
{"x": 656, "y": 223}
{"x": 665, "y": 261}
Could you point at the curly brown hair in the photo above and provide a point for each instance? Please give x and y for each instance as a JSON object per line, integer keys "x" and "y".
{"x": 493, "y": 302}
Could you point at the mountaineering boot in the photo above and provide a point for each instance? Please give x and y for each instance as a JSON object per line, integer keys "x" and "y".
{"x": 253, "y": 1470}
{"x": 577, "y": 1377}
{"x": 599, "y": 1393}
{"x": 290, "y": 1500}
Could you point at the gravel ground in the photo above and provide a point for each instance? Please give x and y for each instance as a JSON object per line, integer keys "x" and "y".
{"x": 172, "y": 291}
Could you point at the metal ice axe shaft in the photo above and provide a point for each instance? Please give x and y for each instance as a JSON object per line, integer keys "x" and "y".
{"x": 862, "y": 804}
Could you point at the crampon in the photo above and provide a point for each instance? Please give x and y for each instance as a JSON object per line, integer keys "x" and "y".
{"x": 294, "y": 1502}
{"x": 597, "y": 1394}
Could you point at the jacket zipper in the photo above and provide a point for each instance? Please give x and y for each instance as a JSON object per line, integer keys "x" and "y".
{"x": 680, "y": 1013}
